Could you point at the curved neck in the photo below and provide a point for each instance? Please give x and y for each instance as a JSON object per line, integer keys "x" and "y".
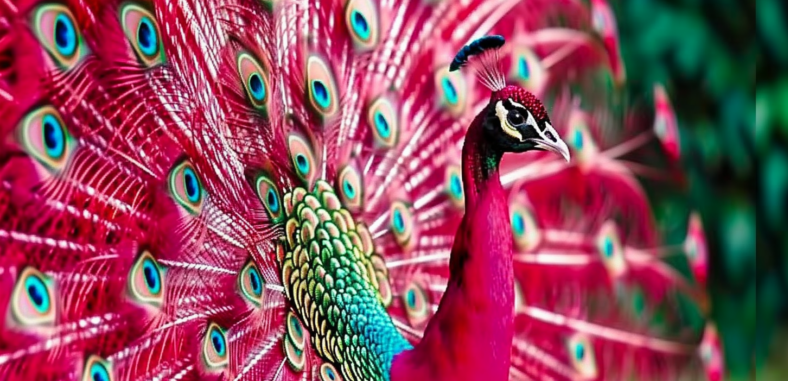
{"x": 480, "y": 163}
{"x": 470, "y": 336}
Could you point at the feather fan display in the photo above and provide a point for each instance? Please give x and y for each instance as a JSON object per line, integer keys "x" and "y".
{"x": 270, "y": 190}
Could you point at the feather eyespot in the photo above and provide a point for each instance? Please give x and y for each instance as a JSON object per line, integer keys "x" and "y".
{"x": 383, "y": 120}
{"x": 351, "y": 189}
{"x": 581, "y": 354}
{"x": 43, "y": 134}
{"x": 329, "y": 373}
{"x": 416, "y": 304}
{"x": 302, "y": 157}
{"x": 580, "y": 139}
{"x": 255, "y": 80}
{"x": 215, "y": 352}
{"x": 97, "y": 369}
{"x": 610, "y": 250}
{"x": 526, "y": 69}
{"x": 186, "y": 187}
{"x": 322, "y": 89}
{"x": 454, "y": 187}
{"x": 251, "y": 283}
{"x": 294, "y": 343}
{"x": 57, "y": 30}
{"x": 525, "y": 231}
{"x": 599, "y": 19}
{"x": 142, "y": 31}
{"x": 146, "y": 280}
{"x": 33, "y": 302}
{"x": 268, "y": 193}
{"x": 451, "y": 91}
{"x": 361, "y": 18}
{"x": 401, "y": 222}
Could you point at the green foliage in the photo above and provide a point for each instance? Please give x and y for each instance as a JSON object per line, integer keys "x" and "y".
{"x": 706, "y": 53}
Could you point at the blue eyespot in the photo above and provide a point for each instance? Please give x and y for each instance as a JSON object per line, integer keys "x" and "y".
{"x": 38, "y": 293}
{"x": 578, "y": 140}
{"x": 360, "y": 25}
{"x": 456, "y": 185}
{"x": 191, "y": 185}
{"x": 146, "y": 36}
{"x": 273, "y": 201}
{"x": 399, "y": 224}
{"x": 152, "y": 276}
{"x": 580, "y": 351}
{"x": 411, "y": 297}
{"x": 296, "y": 325}
{"x": 254, "y": 279}
{"x": 54, "y": 136}
{"x": 302, "y": 163}
{"x": 518, "y": 224}
{"x": 608, "y": 249}
{"x": 330, "y": 374}
{"x": 449, "y": 91}
{"x": 320, "y": 91}
{"x": 349, "y": 190}
{"x": 382, "y": 126}
{"x": 98, "y": 372}
{"x": 65, "y": 35}
{"x": 217, "y": 340}
{"x": 257, "y": 87}
{"x": 522, "y": 68}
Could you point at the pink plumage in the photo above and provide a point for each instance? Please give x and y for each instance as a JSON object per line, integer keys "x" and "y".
{"x": 271, "y": 190}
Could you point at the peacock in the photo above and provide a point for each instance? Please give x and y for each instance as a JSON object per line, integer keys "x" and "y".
{"x": 333, "y": 190}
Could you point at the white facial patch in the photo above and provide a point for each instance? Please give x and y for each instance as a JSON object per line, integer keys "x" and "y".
{"x": 501, "y": 112}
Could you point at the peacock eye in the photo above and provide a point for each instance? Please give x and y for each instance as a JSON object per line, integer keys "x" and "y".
{"x": 454, "y": 185}
{"x": 611, "y": 250}
{"x": 97, "y": 369}
{"x": 351, "y": 188}
{"x": 215, "y": 351}
{"x": 515, "y": 118}
{"x": 268, "y": 194}
{"x": 581, "y": 354}
{"x": 251, "y": 283}
{"x": 329, "y": 373}
{"x": 56, "y": 29}
{"x": 303, "y": 158}
{"x": 525, "y": 230}
{"x": 44, "y": 136}
{"x": 451, "y": 91}
{"x": 361, "y": 18}
{"x": 186, "y": 187}
{"x": 142, "y": 31}
{"x": 401, "y": 220}
{"x": 322, "y": 91}
{"x": 382, "y": 118}
{"x": 32, "y": 299}
{"x": 294, "y": 343}
{"x": 255, "y": 80}
{"x": 146, "y": 280}
{"x": 416, "y": 304}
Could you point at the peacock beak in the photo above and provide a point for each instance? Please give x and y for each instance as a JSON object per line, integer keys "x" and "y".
{"x": 557, "y": 146}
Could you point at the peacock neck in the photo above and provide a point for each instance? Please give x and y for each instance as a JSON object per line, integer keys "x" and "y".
{"x": 470, "y": 336}
{"x": 480, "y": 162}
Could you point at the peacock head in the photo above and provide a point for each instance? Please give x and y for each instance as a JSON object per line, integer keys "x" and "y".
{"x": 515, "y": 120}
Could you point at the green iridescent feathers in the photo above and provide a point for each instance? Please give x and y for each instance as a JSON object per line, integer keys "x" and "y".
{"x": 337, "y": 284}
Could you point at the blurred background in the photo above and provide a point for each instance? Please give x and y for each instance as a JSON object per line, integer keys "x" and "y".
{"x": 733, "y": 134}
